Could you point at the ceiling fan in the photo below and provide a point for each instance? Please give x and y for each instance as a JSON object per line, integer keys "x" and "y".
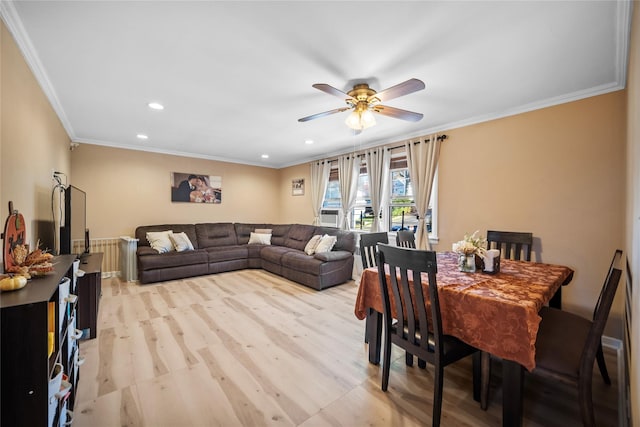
{"x": 363, "y": 100}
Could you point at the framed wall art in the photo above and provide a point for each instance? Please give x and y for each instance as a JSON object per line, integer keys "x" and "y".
{"x": 195, "y": 188}
{"x": 297, "y": 187}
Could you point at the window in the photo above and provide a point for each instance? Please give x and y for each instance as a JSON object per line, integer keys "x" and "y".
{"x": 332, "y": 194}
{"x": 402, "y": 205}
{"x": 362, "y": 214}
{"x": 402, "y": 208}
{"x": 401, "y": 214}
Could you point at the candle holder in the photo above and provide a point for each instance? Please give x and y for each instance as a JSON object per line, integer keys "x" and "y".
{"x": 467, "y": 263}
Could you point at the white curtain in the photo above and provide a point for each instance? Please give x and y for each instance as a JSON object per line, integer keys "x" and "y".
{"x": 422, "y": 161}
{"x": 348, "y": 171}
{"x": 319, "y": 180}
{"x": 378, "y": 161}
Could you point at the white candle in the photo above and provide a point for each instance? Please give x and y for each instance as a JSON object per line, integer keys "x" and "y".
{"x": 489, "y": 259}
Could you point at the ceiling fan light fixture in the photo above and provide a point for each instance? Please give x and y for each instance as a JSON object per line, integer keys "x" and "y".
{"x": 364, "y": 101}
{"x": 359, "y": 120}
{"x": 368, "y": 119}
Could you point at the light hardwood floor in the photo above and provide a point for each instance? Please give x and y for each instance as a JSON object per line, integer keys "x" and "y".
{"x": 251, "y": 348}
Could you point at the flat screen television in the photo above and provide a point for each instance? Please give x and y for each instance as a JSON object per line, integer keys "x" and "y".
{"x": 74, "y": 233}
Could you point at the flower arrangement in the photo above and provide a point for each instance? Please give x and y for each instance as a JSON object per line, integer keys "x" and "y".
{"x": 471, "y": 245}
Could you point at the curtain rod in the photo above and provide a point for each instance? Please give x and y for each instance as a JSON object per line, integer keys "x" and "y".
{"x": 440, "y": 138}
{"x": 361, "y": 153}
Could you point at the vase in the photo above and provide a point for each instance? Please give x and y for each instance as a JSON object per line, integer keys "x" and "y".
{"x": 467, "y": 263}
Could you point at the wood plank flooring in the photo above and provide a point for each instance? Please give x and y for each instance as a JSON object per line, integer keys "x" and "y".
{"x": 249, "y": 348}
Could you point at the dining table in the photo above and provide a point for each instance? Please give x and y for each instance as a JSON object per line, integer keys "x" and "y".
{"x": 496, "y": 313}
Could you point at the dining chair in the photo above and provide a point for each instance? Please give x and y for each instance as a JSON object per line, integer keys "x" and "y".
{"x": 406, "y": 239}
{"x": 417, "y": 327}
{"x": 368, "y": 251}
{"x": 512, "y": 244}
{"x": 369, "y": 255}
{"x": 568, "y": 345}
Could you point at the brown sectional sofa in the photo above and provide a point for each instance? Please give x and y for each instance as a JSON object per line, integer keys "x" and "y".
{"x": 220, "y": 247}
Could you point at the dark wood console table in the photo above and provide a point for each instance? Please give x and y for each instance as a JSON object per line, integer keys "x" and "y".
{"x": 89, "y": 292}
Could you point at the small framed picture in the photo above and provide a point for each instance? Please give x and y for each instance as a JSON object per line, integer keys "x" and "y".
{"x": 297, "y": 187}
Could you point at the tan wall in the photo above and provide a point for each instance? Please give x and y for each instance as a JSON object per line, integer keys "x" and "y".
{"x": 295, "y": 209}
{"x": 128, "y": 188}
{"x": 33, "y": 142}
{"x": 633, "y": 202}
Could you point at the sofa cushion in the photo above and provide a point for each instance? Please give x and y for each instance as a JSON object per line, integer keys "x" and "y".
{"x": 212, "y": 235}
{"x": 333, "y": 256}
{"x": 274, "y": 254}
{"x": 160, "y": 241}
{"x": 227, "y": 253}
{"x": 189, "y": 229}
{"x": 299, "y": 235}
{"x": 310, "y": 247}
{"x": 259, "y": 239}
{"x": 171, "y": 259}
{"x": 326, "y": 244}
{"x": 181, "y": 242}
{"x": 300, "y": 261}
{"x": 346, "y": 239}
{"x": 279, "y": 233}
{"x": 243, "y": 231}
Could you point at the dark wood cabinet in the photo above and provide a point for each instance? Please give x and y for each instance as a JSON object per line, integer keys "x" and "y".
{"x": 89, "y": 292}
{"x": 35, "y": 320}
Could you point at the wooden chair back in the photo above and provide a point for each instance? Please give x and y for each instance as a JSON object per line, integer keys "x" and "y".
{"x": 409, "y": 298}
{"x": 406, "y": 239}
{"x": 601, "y": 314}
{"x": 512, "y": 244}
{"x": 368, "y": 251}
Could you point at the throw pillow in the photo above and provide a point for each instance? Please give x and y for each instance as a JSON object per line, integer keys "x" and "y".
{"x": 160, "y": 241}
{"x": 181, "y": 242}
{"x": 326, "y": 244}
{"x": 259, "y": 239}
{"x": 310, "y": 248}
{"x": 262, "y": 230}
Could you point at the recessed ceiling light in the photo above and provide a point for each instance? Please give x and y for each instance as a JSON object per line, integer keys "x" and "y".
{"x": 142, "y": 136}
{"x": 155, "y": 106}
{"x": 308, "y": 141}
{"x": 265, "y": 156}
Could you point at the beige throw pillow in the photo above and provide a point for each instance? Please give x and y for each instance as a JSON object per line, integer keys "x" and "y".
{"x": 160, "y": 241}
{"x": 262, "y": 230}
{"x": 181, "y": 242}
{"x": 326, "y": 244}
{"x": 259, "y": 239}
{"x": 310, "y": 248}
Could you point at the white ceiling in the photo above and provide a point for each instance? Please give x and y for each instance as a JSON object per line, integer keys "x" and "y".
{"x": 234, "y": 76}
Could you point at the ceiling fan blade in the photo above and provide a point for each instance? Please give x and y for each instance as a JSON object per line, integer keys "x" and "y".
{"x": 397, "y": 113}
{"x": 326, "y": 113}
{"x": 332, "y": 91}
{"x": 405, "y": 88}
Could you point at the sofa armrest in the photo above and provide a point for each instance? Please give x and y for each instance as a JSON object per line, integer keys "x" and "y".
{"x": 146, "y": 250}
{"x": 333, "y": 255}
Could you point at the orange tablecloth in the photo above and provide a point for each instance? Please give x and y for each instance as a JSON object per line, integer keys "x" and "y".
{"x": 495, "y": 313}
